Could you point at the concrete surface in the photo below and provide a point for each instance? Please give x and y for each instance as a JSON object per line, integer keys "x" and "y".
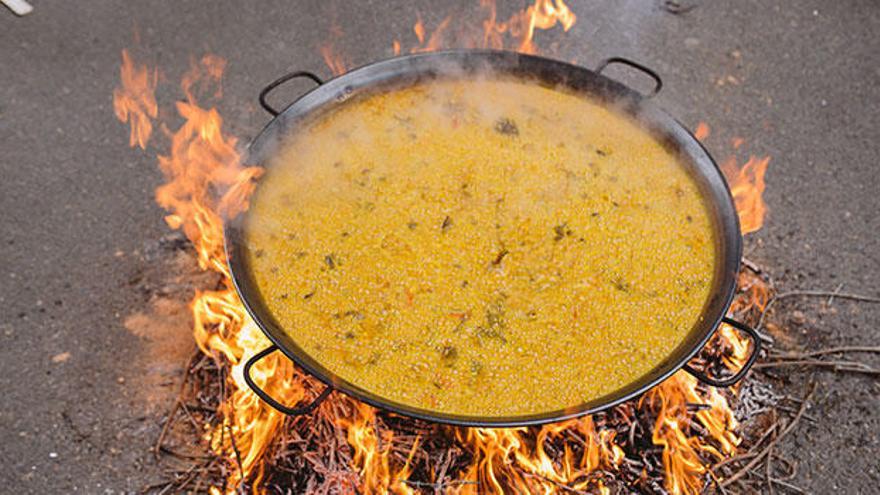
{"x": 79, "y": 224}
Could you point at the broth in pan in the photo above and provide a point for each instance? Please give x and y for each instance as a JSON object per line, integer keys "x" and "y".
{"x": 481, "y": 247}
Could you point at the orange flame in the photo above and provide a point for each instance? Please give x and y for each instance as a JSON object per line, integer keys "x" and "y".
{"x": 135, "y": 101}
{"x": 516, "y": 460}
{"x": 682, "y": 451}
{"x": 435, "y": 41}
{"x": 520, "y": 28}
{"x": 419, "y": 29}
{"x": 206, "y": 183}
{"x": 544, "y": 14}
{"x": 371, "y": 453}
{"x": 702, "y": 131}
{"x": 747, "y": 187}
{"x": 746, "y": 183}
{"x": 756, "y": 291}
{"x": 337, "y": 63}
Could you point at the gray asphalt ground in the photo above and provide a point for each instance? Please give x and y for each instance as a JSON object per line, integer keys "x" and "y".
{"x": 78, "y": 231}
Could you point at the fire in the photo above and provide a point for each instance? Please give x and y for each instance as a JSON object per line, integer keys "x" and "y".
{"x": 207, "y": 183}
{"x": 542, "y": 15}
{"x": 682, "y": 453}
{"x": 371, "y": 453}
{"x": 521, "y": 26}
{"x": 746, "y": 183}
{"x": 517, "y": 32}
{"x": 337, "y": 63}
{"x": 702, "y": 131}
{"x": 135, "y": 101}
{"x": 747, "y": 187}
{"x": 435, "y": 41}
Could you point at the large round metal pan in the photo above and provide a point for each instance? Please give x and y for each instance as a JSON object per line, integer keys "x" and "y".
{"x": 411, "y": 69}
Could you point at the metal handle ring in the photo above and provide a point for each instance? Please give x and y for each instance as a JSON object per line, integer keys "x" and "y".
{"x": 658, "y": 83}
{"x": 727, "y": 382}
{"x": 281, "y": 80}
{"x": 290, "y": 411}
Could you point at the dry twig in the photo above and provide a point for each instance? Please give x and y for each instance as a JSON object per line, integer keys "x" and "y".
{"x": 787, "y": 485}
{"x": 172, "y": 412}
{"x": 850, "y": 366}
{"x": 812, "y": 293}
{"x": 760, "y": 455}
{"x": 830, "y": 350}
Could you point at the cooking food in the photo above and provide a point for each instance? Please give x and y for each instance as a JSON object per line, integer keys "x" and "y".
{"x": 487, "y": 247}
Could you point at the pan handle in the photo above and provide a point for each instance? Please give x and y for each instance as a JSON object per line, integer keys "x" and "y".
{"x": 281, "y": 80}
{"x": 290, "y": 411}
{"x": 658, "y": 83}
{"x": 727, "y": 382}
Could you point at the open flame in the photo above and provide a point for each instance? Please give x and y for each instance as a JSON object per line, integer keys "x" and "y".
{"x": 516, "y": 33}
{"x": 746, "y": 182}
{"x": 134, "y": 100}
{"x": 206, "y": 183}
{"x": 747, "y": 187}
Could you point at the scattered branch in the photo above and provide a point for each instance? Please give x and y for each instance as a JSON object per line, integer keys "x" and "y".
{"x": 172, "y": 412}
{"x": 751, "y": 265}
{"x": 760, "y": 455}
{"x": 813, "y": 293}
{"x": 786, "y": 485}
{"x": 847, "y": 366}
{"x": 830, "y": 350}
